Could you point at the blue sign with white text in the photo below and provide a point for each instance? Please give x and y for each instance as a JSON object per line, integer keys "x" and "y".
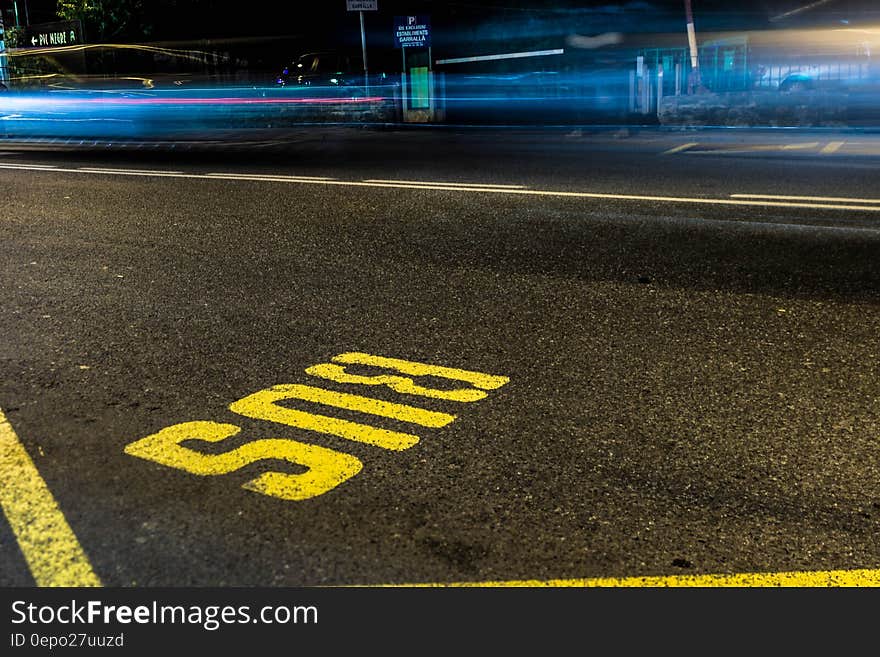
{"x": 412, "y": 31}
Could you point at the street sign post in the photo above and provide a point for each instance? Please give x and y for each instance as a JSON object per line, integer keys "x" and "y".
{"x": 360, "y": 6}
{"x": 53, "y": 35}
{"x": 4, "y": 72}
{"x": 417, "y": 81}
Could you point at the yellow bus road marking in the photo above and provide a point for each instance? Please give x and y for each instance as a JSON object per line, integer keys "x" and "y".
{"x": 349, "y": 402}
{"x": 831, "y": 147}
{"x": 326, "y": 468}
{"x": 831, "y": 199}
{"x": 49, "y": 546}
{"x": 812, "y": 579}
{"x": 681, "y": 148}
{"x": 262, "y": 406}
{"x": 476, "y": 379}
{"x": 482, "y": 189}
{"x": 401, "y": 384}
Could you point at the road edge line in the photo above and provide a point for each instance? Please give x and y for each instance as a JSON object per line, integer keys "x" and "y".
{"x": 802, "y": 579}
{"x": 49, "y": 546}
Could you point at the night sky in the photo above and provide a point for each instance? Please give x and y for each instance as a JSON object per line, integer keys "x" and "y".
{"x": 217, "y": 18}
{"x": 471, "y": 25}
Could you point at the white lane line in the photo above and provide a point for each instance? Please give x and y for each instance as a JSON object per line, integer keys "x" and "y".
{"x": 495, "y": 190}
{"x": 448, "y": 187}
{"x": 109, "y": 170}
{"x": 681, "y": 148}
{"x": 625, "y": 197}
{"x": 818, "y": 199}
{"x": 444, "y": 183}
{"x": 268, "y": 176}
{"x": 28, "y": 167}
{"x": 831, "y": 147}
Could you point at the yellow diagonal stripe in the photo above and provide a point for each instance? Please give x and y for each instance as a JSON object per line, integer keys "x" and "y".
{"x": 681, "y": 148}
{"x": 812, "y": 579}
{"x": 832, "y": 147}
{"x": 50, "y": 547}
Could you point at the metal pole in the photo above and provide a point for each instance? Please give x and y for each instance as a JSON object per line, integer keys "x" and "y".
{"x": 403, "y": 90}
{"x": 659, "y": 88}
{"x": 430, "y": 85}
{"x": 364, "y": 52}
{"x": 15, "y": 7}
{"x": 694, "y": 78}
{"x": 632, "y": 91}
{"x": 4, "y": 71}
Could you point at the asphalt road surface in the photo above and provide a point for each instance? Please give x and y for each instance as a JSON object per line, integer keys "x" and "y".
{"x": 652, "y": 354}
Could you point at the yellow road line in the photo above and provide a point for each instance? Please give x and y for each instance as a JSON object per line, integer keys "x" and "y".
{"x": 831, "y": 199}
{"x": 831, "y": 147}
{"x": 822, "y": 578}
{"x": 47, "y": 542}
{"x": 681, "y": 148}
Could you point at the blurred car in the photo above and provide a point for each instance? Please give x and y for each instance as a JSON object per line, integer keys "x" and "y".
{"x": 322, "y": 68}
{"x": 333, "y": 69}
